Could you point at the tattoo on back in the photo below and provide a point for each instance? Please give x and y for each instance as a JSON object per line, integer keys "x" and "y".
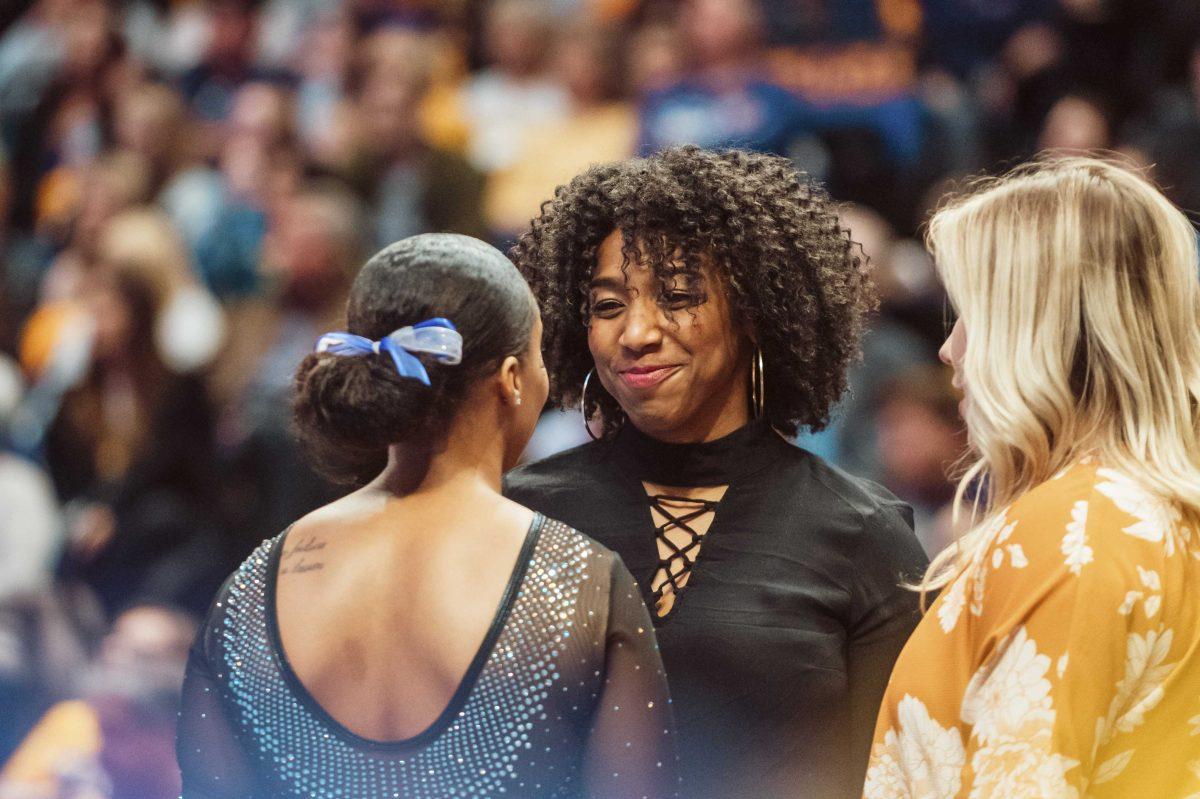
{"x": 303, "y": 556}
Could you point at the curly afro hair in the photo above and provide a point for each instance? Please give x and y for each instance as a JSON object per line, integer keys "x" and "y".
{"x": 795, "y": 280}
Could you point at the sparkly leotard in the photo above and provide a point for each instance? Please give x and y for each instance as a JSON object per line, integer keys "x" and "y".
{"x": 566, "y": 697}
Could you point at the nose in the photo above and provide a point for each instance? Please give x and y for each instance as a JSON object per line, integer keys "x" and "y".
{"x": 643, "y": 326}
{"x": 944, "y": 353}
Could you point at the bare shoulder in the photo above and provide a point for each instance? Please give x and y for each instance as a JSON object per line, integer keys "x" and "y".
{"x": 515, "y": 514}
{"x": 307, "y": 545}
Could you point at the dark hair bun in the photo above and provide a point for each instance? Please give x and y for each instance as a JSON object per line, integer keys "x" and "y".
{"x": 349, "y": 409}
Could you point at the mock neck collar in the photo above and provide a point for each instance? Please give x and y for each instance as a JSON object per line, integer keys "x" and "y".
{"x": 710, "y": 463}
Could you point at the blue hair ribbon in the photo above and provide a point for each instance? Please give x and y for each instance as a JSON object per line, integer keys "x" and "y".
{"x": 437, "y": 337}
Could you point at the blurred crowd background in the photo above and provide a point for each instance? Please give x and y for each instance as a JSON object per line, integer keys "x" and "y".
{"x": 187, "y": 186}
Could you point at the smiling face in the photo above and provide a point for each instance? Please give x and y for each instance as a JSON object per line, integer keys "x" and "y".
{"x": 670, "y": 355}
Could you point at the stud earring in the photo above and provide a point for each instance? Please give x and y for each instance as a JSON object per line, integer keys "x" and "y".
{"x": 516, "y": 398}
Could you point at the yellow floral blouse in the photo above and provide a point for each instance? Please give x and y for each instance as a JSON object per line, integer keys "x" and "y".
{"x": 1064, "y": 663}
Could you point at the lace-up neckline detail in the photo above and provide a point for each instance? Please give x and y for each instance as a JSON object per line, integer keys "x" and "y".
{"x": 685, "y": 522}
{"x": 684, "y": 484}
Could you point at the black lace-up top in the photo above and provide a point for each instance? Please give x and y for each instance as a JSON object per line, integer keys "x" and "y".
{"x": 779, "y": 642}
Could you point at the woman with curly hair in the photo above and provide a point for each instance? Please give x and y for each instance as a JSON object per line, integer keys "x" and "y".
{"x": 703, "y": 306}
{"x": 1062, "y": 658}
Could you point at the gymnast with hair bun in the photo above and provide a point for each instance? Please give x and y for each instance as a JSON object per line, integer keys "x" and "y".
{"x": 424, "y": 636}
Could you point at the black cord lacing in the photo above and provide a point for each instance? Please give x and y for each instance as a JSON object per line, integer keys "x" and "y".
{"x": 682, "y": 557}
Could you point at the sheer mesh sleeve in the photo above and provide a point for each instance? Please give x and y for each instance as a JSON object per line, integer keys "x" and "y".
{"x": 631, "y": 750}
{"x": 211, "y": 758}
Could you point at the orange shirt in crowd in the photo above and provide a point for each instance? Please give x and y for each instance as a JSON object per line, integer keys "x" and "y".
{"x": 554, "y": 154}
{"x": 66, "y": 739}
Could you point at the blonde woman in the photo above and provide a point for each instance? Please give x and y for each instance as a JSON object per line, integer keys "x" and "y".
{"x": 1062, "y": 657}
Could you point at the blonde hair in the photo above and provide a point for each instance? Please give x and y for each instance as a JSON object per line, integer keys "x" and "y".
{"x": 1077, "y": 283}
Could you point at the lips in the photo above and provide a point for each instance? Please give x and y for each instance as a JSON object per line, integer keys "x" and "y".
{"x": 643, "y": 377}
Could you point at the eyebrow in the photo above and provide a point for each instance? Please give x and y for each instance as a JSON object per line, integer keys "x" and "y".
{"x": 610, "y": 283}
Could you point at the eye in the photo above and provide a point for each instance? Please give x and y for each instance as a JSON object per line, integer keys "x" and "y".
{"x": 676, "y": 300}
{"x": 606, "y": 308}
{"x": 682, "y": 289}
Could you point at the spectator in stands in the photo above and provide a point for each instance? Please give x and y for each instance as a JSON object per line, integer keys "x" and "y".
{"x": 516, "y": 93}
{"x": 68, "y": 127}
{"x": 23, "y": 258}
{"x": 890, "y": 346}
{"x": 45, "y": 637}
{"x": 261, "y": 166}
{"x": 725, "y": 98}
{"x": 74, "y": 208}
{"x": 310, "y": 256}
{"x": 31, "y": 53}
{"x": 117, "y": 739}
{"x": 132, "y": 447}
{"x": 413, "y": 187}
{"x": 151, "y": 121}
{"x": 1168, "y": 136}
{"x": 600, "y": 127}
{"x": 920, "y": 438}
{"x": 30, "y": 520}
{"x": 323, "y": 63}
{"x": 228, "y": 64}
{"x": 1075, "y": 125}
{"x": 656, "y": 58}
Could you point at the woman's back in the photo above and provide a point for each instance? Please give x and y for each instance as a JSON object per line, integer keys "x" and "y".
{"x": 424, "y": 637}
{"x": 406, "y": 603}
{"x": 562, "y": 693}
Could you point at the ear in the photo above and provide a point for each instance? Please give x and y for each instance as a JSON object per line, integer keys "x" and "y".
{"x": 748, "y": 332}
{"x": 749, "y": 341}
{"x": 510, "y": 381}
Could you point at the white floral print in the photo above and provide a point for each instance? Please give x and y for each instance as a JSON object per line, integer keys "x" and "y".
{"x": 974, "y": 575}
{"x": 1156, "y": 520}
{"x": 997, "y": 531}
{"x": 1011, "y": 691}
{"x": 1130, "y": 602}
{"x": 1141, "y": 688}
{"x": 953, "y": 603}
{"x": 1110, "y": 769}
{"x": 1009, "y": 706}
{"x": 1149, "y": 578}
{"x": 921, "y": 759}
{"x": 1075, "y": 544}
{"x": 1086, "y": 667}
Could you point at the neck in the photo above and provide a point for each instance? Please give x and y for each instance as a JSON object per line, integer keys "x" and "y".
{"x": 464, "y": 462}
{"x": 712, "y": 462}
{"x": 705, "y": 429}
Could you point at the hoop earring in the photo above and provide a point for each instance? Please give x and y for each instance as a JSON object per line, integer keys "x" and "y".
{"x": 758, "y": 388}
{"x": 583, "y": 405}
